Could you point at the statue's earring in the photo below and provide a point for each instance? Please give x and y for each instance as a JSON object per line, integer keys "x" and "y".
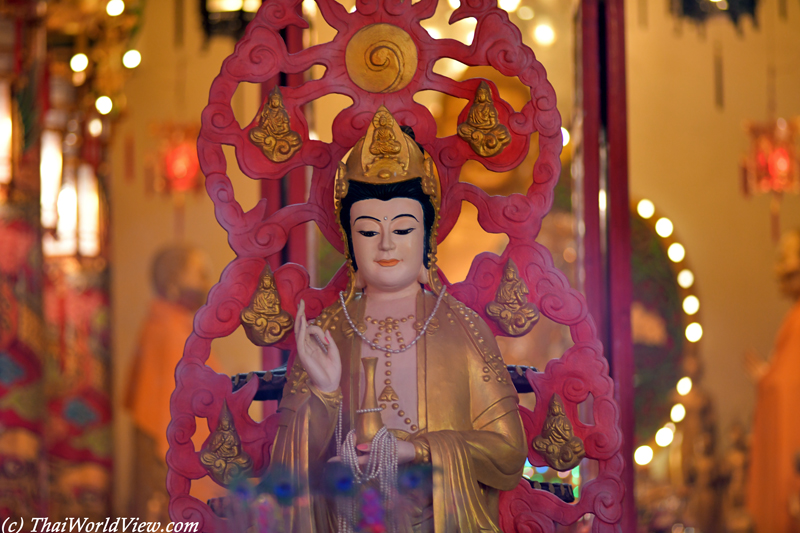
{"x": 351, "y": 282}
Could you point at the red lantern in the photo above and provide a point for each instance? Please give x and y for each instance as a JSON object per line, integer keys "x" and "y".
{"x": 771, "y": 164}
{"x": 181, "y": 167}
{"x": 174, "y": 168}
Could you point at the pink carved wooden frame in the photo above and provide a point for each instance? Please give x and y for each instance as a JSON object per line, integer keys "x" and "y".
{"x": 255, "y": 235}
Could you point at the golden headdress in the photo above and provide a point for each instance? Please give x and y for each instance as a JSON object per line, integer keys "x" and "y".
{"x": 387, "y": 155}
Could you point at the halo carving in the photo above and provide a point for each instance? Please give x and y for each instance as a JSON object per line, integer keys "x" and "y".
{"x": 381, "y": 58}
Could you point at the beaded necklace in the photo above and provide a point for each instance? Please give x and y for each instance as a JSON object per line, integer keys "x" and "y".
{"x": 375, "y": 346}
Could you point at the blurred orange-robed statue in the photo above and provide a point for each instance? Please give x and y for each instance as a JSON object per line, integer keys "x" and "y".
{"x": 776, "y": 430}
{"x": 181, "y": 277}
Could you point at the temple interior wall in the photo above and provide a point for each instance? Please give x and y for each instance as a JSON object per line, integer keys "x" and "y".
{"x": 684, "y": 156}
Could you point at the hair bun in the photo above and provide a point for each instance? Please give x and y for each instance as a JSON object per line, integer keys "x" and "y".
{"x": 408, "y": 130}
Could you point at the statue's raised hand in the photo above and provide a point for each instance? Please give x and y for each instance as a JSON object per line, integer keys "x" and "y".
{"x": 318, "y": 353}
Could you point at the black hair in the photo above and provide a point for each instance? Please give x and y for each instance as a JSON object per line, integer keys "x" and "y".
{"x": 408, "y": 130}
{"x": 412, "y": 189}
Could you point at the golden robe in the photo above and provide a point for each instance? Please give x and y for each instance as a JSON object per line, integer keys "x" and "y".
{"x": 776, "y": 433}
{"x": 467, "y": 413}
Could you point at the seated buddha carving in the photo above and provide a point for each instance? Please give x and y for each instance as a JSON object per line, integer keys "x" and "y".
{"x": 482, "y": 130}
{"x": 223, "y": 456}
{"x": 435, "y": 386}
{"x": 274, "y": 134}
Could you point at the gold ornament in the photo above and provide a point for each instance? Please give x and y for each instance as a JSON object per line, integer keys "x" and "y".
{"x": 559, "y": 446}
{"x": 368, "y": 418}
{"x": 274, "y": 134}
{"x": 381, "y": 58}
{"x": 388, "y": 394}
{"x": 482, "y": 130}
{"x": 264, "y": 321}
{"x": 510, "y": 308}
{"x": 224, "y": 457}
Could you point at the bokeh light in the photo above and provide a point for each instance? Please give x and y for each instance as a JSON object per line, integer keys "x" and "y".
{"x": 643, "y": 455}
{"x": 509, "y": 5}
{"x": 664, "y": 227}
{"x": 132, "y": 59}
{"x": 684, "y": 386}
{"x": 95, "y": 127}
{"x": 694, "y": 332}
{"x": 691, "y": 305}
{"x": 676, "y": 252}
{"x": 564, "y": 136}
{"x": 104, "y": 105}
{"x": 115, "y": 8}
{"x": 685, "y": 278}
{"x": 664, "y": 437}
{"x": 645, "y": 208}
{"x": 525, "y": 13}
{"x": 79, "y": 62}
{"x": 544, "y": 34}
{"x": 677, "y": 413}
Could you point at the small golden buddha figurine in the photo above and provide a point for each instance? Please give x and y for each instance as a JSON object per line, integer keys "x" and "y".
{"x": 384, "y": 141}
{"x": 482, "y": 130}
{"x": 274, "y": 134}
{"x": 557, "y": 443}
{"x": 224, "y": 457}
{"x": 264, "y": 320}
{"x": 510, "y": 308}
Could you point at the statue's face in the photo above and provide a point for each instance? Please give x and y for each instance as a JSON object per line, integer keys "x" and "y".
{"x": 195, "y": 281}
{"x": 388, "y": 242}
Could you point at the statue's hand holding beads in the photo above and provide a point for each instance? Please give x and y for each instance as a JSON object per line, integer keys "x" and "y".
{"x": 318, "y": 353}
